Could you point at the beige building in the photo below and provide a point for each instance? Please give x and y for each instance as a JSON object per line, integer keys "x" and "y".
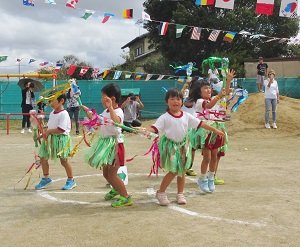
{"x": 284, "y": 67}
{"x": 139, "y": 51}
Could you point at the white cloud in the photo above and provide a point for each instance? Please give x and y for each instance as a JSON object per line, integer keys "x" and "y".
{"x": 47, "y": 33}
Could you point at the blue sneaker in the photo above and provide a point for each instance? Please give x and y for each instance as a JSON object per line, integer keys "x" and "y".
{"x": 43, "y": 183}
{"x": 70, "y": 184}
{"x": 203, "y": 185}
{"x": 211, "y": 185}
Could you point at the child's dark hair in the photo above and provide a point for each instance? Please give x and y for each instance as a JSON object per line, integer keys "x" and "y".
{"x": 195, "y": 90}
{"x": 112, "y": 90}
{"x": 173, "y": 92}
{"x": 62, "y": 96}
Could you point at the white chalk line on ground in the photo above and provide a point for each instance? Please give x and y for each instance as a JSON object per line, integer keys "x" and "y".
{"x": 150, "y": 192}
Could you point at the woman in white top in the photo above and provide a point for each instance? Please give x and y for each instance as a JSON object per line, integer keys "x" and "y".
{"x": 271, "y": 98}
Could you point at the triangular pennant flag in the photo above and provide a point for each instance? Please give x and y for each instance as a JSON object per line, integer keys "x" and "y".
{"x": 71, "y": 69}
{"x": 204, "y": 2}
{"x": 264, "y": 7}
{"x": 117, "y": 75}
{"x": 229, "y": 37}
{"x": 106, "y": 17}
{"x": 127, "y": 75}
{"x": 3, "y": 58}
{"x": 128, "y": 13}
{"x": 50, "y": 2}
{"x": 225, "y": 4}
{"x": 19, "y": 60}
{"x": 44, "y": 63}
{"x": 196, "y": 33}
{"x": 138, "y": 76}
{"x": 31, "y": 60}
{"x": 28, "y": 3}
{"x": 72, "y": 3}
{"x": 160, "y": 77}
{"x": 163, "y": 28}
{"x": 83, "y": 70}
{"x": 179, "y": 29}
{"x": 148, "y": 77}
{"x": 105, "y": 73}
{"x": 58, "y": 66}
{"x": 288, "y": 8}
{"x": 214, "y": 35}
{"x": 146, "y": 16}
{"x": 87, "y": 14}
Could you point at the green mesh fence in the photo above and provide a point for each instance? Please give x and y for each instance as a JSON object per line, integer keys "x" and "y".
{"x": 151, "y": 92}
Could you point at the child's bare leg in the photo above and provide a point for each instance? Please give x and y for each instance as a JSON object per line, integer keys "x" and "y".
{"x": 105, "y": 173}
{"x": 217, "y": 164}
{"x": 180, "y": 184}
{"x": 115, "y": 180}
{"x": 205, "y": 161}
{"x": 166, "y": 181}
{"x": 45, "y": 167}
{"x": 213, "y": 160}
{"x": 65, "y": 163}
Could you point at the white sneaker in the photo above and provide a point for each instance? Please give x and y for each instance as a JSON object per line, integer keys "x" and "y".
{"x": 274, "y": 126}
{"x": 22, "y": 131}
{"x": 162, "y": 198}
{"x": 29, "y": 130}
{"x": 267, "y": 125}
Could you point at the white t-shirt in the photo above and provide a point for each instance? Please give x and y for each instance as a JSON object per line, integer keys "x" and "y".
{"x": 176, "y": 128}
{"x": 130, "y": 111}
{"x": 111, "y": 130}
{"x": 272, "y": 91}
{"x": 191, "y": 110}
{"x": 60, "y": 120}
{"x": 200, "y": 108}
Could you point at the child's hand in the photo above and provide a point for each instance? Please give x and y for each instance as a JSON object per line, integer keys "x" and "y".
{"x": 219, "y": 132}
{"x": 107, "y": 102}
{"x": 231, "y": 74}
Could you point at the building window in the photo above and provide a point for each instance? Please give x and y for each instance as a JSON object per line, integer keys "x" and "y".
{"x": 138, "y": 51}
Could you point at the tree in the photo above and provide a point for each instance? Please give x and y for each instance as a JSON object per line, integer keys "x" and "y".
{"x": 243, "y": 17}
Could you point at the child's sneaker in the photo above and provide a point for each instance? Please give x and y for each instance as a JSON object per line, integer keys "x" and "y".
{"x": 181, "y": 199}
{"x": 22, "y": 131}
{"x": 122, "y": 201}
{"x": 43, "y": 183}
{"x": 70, "y": 184}
{"x": 162, "y": 198}
{"x": 219, "y": 181}
{"x": 203, "y": 185}
{"x": 274, "y": 126}
{"x": 29, "y": 131}
{"x": 211, "y": 184}
{"x": 191, "y": 172}
{"x": 111, "y": 194}
{"x": 267, "y": 125}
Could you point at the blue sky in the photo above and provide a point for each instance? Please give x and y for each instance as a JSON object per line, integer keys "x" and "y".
{"x": 49, "y": 32}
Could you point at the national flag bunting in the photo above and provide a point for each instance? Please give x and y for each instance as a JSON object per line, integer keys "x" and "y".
{"x": 127, "y": 75}
{"x": 229, "y": 37}
{"x": 50, "y": 2}
{"x": 58, "y": 66}
{"x": 146, "y": 16}
{"x": 204, "y": 2}
{"x": 117, "y": 75}
{"x": 95, "y": 73}
{"x": 214, "y": 35}
{"x": 3, "y": 58}
{"x": 19, "y": 60}
{"x": 128, "y": 13}
{"x": 138, "y": 76}
{"x": 28, "y": 3}
{"x": 179, "y": 29}
{"x": 83, "y": 70}
{"x": 44, "y": 63}
{"x": 163, "y": 28}
{"x": 264, "y": 7}
{"x": 31, "y": 60}
{"x": 288, "y": 8}
{"x": 105, "y": 73}
{"x": 72, "y": 4}
{"x": 71, "y": 70}
{"x": 196, "y": 33}
{"x": 106, "y": 17}
{"x": 87, "y": 14}
{"x": 224, "y": 4}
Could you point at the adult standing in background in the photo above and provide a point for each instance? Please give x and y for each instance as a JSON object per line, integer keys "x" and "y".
{"x": 27, "y": 105}
{"x": 131, "y": 106}
{"x": 271, "y": 98}
{"x": 73, "y": 106}
{"x": 262, "y": 71}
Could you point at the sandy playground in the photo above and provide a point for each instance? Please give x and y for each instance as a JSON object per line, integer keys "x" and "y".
{"x": 258, "y": 206}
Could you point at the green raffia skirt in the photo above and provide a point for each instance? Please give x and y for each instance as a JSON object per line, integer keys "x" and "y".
{"x": 56, "y": 146}
{"x": 176, "y": 157}
{"x": 201, "y": 138}
{"x": 102, "y": 152}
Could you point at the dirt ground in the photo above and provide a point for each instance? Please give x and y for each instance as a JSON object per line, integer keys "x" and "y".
{"x": 257, "y": 206}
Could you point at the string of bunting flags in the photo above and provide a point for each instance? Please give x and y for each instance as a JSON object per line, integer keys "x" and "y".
{"x": 126, "y": 13}
{"x": 214, "y": 33}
